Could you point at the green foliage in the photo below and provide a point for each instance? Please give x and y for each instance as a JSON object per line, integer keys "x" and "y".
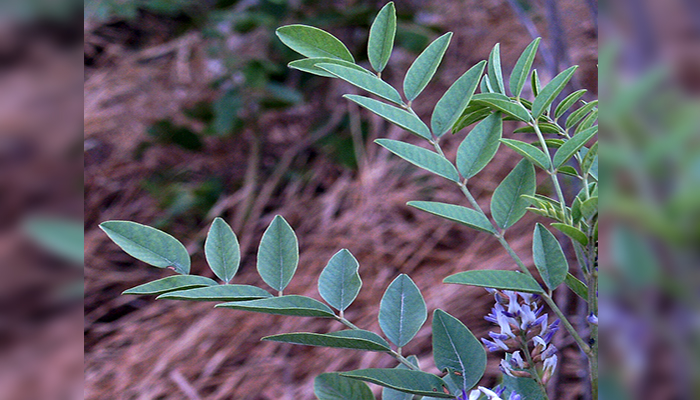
{"x": 550, "y": 92}
{"x": 217, "y": 293}
{"x": 278, "y": 254}
{"x": 348, "y": 339}
{"x": 222, "y": 250}
{"x": 423, "y": 68}
{"x": 293, "y": 305}
{"x": 402, "y": 311}
{"x": 522, "y": 68}
{"x": 457, "y": 351}
{"x": 422, "y": 158}
{"x": 170, "y": 284}
{"x": 333, "y": 386}
{"x": 480, "y": 146}
{"x": 62, "y": 236}
{"x": 506, "y": 280}
{"x": 462, "y": 215}
{"x": 381, "y": 37}
{"x": 313, "y": 42}
{"x": 415, "y": 382}
{"x": 364, "y": 81}
{"x": 549, "y": 258}
{"x": 507, "y": 203}
{"x": 451, "y": 105}
{"x": 529, "y": 151}
{"x": 340, "y": 283}
{"x": 404, "y": 119}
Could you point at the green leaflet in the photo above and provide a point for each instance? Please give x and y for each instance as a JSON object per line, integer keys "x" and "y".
{"x": 495, "y": 75}
{"x": 395, "y": 115}
{"x": 149, "y": 245}
{"x": 502, "y": 103}
{"x": 572, "y": 232}
{"x": 567, "y": 170}
{"x": 171, "y": 283}
{"x": 590, "y": 159}
{"x": 340, "y": 283}
{"x": 218, "y": 293}
{"x": 530, "y": 152}
{"x": 589, "y": 208}
{"x": 577, "y": 286}
{"x": 568, "y": 102}
{"x": 549, "y": 257}
{"x": 527, "y": 388}
{"x": 587, "y": 122}
{"x": 364, "y": 81}
{"x": 61, "y": 236}
{"x": 507, "y": 203}
{"x": 535, "y": 83}
{"x": 313, "y": 42}
{"x": 522, "y": 68}
{"x": 550, "y": 92}
{"x": 457, "y": 350}
{"x": 463, "y": 215}
{"x": 381, "y": 37}
{"x": 451, "y": 105}
{"x": 506, "y": 280}
{"x": 581, "y": 112}
{"x": 469, "y": 118}
{"x": 347, "y": 339}
{"x": 391, "y": 394}
{"x": 420, "y": 157}
{"x": 573, "y": 145}
{"x": 479, "y": 146}
{"x": 310, "y": 65}
{"x": 402, "y": 311}
{"x": 333, "y": 386}
{"x": 424, "y": 67}
{"x": 543, "y": 126}
{"x": 403, "y": 380}
{"x": 278, "y": 254}
{"x": 298, "y": 306}
{"x": 222, "y": 250}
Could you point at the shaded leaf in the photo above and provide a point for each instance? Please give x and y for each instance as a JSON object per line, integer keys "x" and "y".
{"x": 404, "y": 380}
{"x": 504, "y": 104}
{"x": 573, "y": 145}
{"x": 522, "y": 68}
{"x": 507, "y": 203}
{"x": 278, "y": 254}
{"x": 222, "y": 250}
{"x": 580, "y": 113}
{"x": 550, "y": 92}
{"x": 420, "y": 157}
{"x": 364, "y": 81}
{"x": 568, "y": 102}
{"x": 549, "y": 257}
{"x": 313, "y": 42}
{"x": 391, "y": 394}
{"x": 340, "y": 283}
{"x": 395, "y": 115}
{"x": 218, "y": 293}
{"x": 589, "y": 208}
{"x": 479, "y": 146}
{"x": 310, "y": 65}
{"x": 149, "y": 245}
{"x": 381, "y": 37}
{"x": 333, "y": 386}
{"x": 505, "y": 280}
{"x": 451, "y": 105}
{"x": 463, "y": 215}
{"x": 572, "y": 232}
{"x": 299, "y": 306}
{"x": 62, "y": 236}
{"x": 532, "y": 153}
{"x": 424, "y": 67}
{"x": 347, "y": 339}
{"x": 402, "y": 311}
{"x": 577, "y": 286}
{"x": 171, "y": 283}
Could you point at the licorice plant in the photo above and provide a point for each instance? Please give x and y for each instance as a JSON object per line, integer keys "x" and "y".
{"x": 561, "y": 145}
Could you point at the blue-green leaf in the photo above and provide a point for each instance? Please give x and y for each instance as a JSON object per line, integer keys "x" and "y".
{"x": 313, "y": 42}
{"x": 457, "y": 351}
{"x": 507, "y": 203}
{"x": 529, "y": 151}
{"x": 463, "y": 215}
{"x": 568, "y": 102}
{"x": 222, "y": 250}
{"x": 504, "y": 280}
{"x": 333, "y": 386}
{"x": 310, "y": 65}
{"x": 298, "y": 306}
{"x": 522, "y": 68}
{"x": 171, "y": 283}
{"x": 576, "y": 116}
{"x": 424, "y": 67}
{"x": 403, "y": 380}
{"x": 572, "y": 232}
{"x": 348, "y": 339}
{"x": 381, "y": 37}
{"x": 364, "y": 81}
{"x": 149, "y": 245}
{"x": 502, "y": 103}
{"x": 278, "y": 254}
{"x": 420, "y": 157}
{"x": 395, "y": 115}
{"x": 573, "y": 145}
{"x": 495, "y": 75}
{"x": 549, "y": 257}
{"x": 64, "y": 237}
{"x": 218, "y": 293}
{"x": 340, "y": 283}
{"x": 402, "y": 311}
{"x": 391, "y": 394}
{"x": 479, "y": 146}
{"x": 451, "y": 105}
{"x": 550, "y": 92}
{"x": 577, "y": 286}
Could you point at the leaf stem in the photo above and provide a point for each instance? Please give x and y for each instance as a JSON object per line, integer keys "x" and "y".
{"x": 552, "y": 171}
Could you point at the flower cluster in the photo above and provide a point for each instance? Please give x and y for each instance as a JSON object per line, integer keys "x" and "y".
{"x": 525, "y": 333}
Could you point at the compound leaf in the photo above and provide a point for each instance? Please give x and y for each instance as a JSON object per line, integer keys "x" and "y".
{"x": 479, "y": 146}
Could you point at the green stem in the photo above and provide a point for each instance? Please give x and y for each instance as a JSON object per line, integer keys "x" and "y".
{"x": 593, "y": 309}
{"x": 552, "y": 171}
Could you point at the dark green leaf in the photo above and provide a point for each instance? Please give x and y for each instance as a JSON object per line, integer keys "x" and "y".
{"x": 507, "y": 203}
{"x": 529, "y": 151}
{"x": 339, "y": 283}
{"x": 381, "y": 37}
{"x": 535, "y": 82}
{"x": 364, "y": 81}
{"x": 577, "y": 286}
{"x": 313, "y": 42}
{"x": 527, "y": 388}
{"x": 568, "y": 102}
{"x": 278, "y": 254}
{"x": 149, "y": 245}
{"x": 549, "y": 257}
{"x": 479, "y": 146}
{"x": 222, "y": 250}
{"x": 587, "y": 122}
{"x": 550, "y": 92}
{"x": 457, "y": 351}
{"x": 348, "y": 339}
{"x": 467, "y": 119}
{"x": 451, "y": 105}
{"x": 504, "y": 104}
{"x": 590, "y": 158}
{"x": 494, "y": 70}
{"x": 589, "y": 208}
{"x": 391, "y": 394}
{"x": 543, "y": 126}
{"x": 333, "y": 386}
{"x": 299, "y": 306}
{"x": 218, "y": 293}
{"x": 402, "y": 311}
{"x": 395, "y": 115}
{"x": 572, "y": 232}
{"x": 171, "y": 283}
{"x": 310, "y": 65}
{"x": 463, "y": 215}
{"x": 578, "y": 115}
{"x": 403, "y": 380}
{"x": 422, "y": 158}
{"x": 424, "y": 67}
{"x": 505, "y": 280}
{"x": 567, "y": 170}
{"x": 573, "y": 145}
{"x": 522, "y": 68}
